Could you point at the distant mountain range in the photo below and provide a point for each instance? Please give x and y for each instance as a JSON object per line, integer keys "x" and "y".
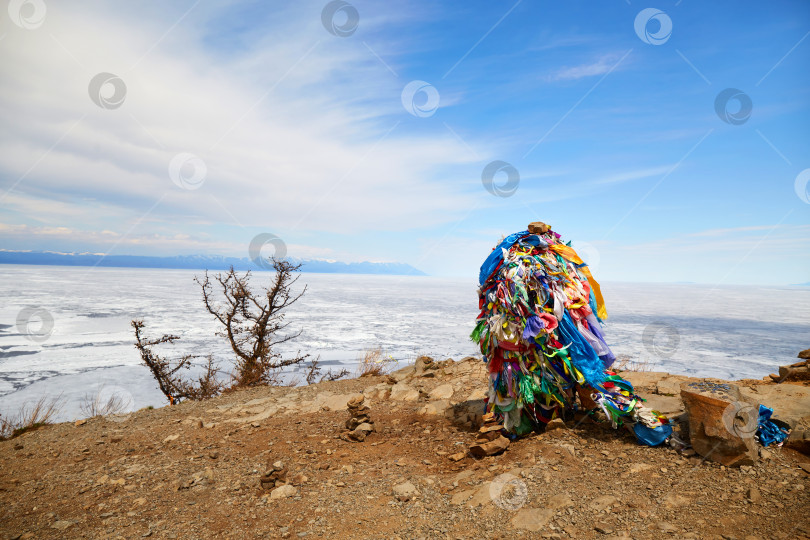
{"x": 198, "y": 262}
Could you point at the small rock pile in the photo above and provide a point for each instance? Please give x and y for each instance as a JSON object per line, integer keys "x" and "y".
{"x": 489, "y": 441}
{"x": 800, "y": 371}
{"x": 359, "y": 424}
{"x": 425, "y": 366}
{"x": 276, "y": 476}
{"x": 202, "y": 478}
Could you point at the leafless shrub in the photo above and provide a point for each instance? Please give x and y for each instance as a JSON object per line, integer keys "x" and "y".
{"x": 30, "y": 417}
{"x": 334, "y": 375}
{"x": 253, "y": 322}
{"x": 166, "y": 372}
{"x": 314, "y": 373}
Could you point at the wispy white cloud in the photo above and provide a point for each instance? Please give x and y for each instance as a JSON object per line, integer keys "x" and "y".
{"x": 787, "y": 239}
{"x": 303, "y": 133}
{"x": 753, "y": 228}
{"x": 600, "y": 66}
{"x": 637, "y": 174}
{"x": 76, "y": 240}
{"x": 767, "y": 254}
{"x": 283, "y": 131}
{"x": 566, "y": 41}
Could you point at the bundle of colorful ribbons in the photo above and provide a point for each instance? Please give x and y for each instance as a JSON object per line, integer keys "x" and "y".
{"x": 540, "y": 333}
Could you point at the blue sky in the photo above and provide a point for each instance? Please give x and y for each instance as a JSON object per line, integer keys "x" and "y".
{"x": 218, "y": 122}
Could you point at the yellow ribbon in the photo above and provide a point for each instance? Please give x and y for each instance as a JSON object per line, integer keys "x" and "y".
{"x": 568, "y": 253}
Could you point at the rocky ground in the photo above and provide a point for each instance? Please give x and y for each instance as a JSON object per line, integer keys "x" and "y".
{"x": 195, "y": 471}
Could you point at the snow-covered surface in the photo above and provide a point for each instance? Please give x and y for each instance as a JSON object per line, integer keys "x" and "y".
{"x": 728, "y": 332}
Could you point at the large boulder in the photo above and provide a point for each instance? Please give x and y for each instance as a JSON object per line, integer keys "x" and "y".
{"x": 331, "y": 402}
{"x": 658, "y": 382}
{"x": 800, "y": 371}
{"x": 283, "y": 492}
{"x": 722, "y": 423}
{"x": 791, "y": 405}
{"x": 439, "y": 407}
{"x": 532, "y": 519}
{"x": 643, "y": 379}
{"x": 671, "y": 407}
{"x": 403, "y": 374}
{"x": 443, "y": 391}
{"x": 790, "y": 402}
{"x": 470, "y": 412}
{"x": 799, "y": 440}
{"x": 403, "y": 392}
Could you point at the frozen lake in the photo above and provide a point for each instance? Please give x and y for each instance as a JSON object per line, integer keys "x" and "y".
{"x": 729, "y": 332}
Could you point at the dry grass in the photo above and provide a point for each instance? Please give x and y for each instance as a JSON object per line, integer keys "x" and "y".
{"x": 29, "y": 417}
{"x": 374, "y": 363}
{"x": 103, "y": 405}
{"x": 625, "y": 363}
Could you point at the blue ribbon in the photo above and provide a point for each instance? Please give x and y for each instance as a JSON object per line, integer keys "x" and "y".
{"x": 767, "y": 431}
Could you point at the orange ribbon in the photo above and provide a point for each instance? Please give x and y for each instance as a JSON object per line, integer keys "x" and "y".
{"x": 568, "y": 253}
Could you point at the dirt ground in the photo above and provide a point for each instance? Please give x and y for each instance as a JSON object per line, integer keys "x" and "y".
{"x": 193, "y": 471}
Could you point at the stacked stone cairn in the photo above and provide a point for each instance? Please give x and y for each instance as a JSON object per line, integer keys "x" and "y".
{"x": 359, "y": 424}
{"x": 490, "y": 440}
{"x": 275, "y": 476}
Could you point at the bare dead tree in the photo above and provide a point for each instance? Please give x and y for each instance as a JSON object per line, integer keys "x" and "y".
{"x": 167, "y": 372}
{"x": 253, "y": 322}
